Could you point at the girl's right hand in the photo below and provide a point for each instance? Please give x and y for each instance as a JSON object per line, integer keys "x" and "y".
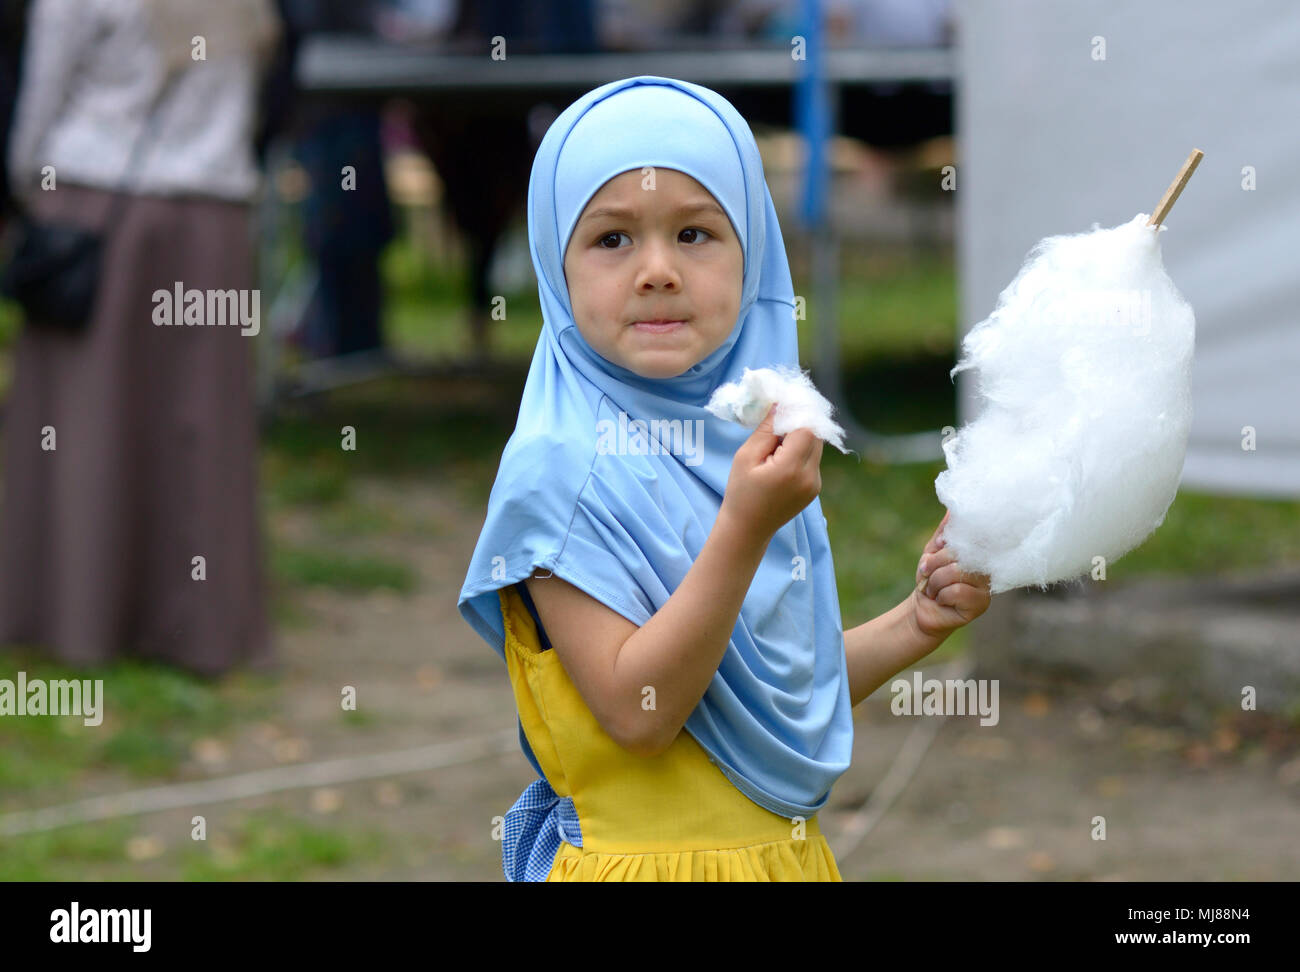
{"x": 773, "y": 478}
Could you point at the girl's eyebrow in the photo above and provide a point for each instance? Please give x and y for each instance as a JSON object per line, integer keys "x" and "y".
{"x": 690, "y": 208}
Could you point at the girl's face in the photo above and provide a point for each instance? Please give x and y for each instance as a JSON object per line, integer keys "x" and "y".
{"x": 654, "y": 246}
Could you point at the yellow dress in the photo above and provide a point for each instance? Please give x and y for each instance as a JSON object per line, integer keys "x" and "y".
{"x": 671, "y": 817}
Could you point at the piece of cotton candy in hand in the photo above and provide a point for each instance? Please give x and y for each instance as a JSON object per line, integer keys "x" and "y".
{"x": 799, "y": 405}
{"x": 1084, "y": 373}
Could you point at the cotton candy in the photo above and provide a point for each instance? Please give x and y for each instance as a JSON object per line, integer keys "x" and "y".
{"x": 799, "y": 404}
{"x": 1084, "y": 380}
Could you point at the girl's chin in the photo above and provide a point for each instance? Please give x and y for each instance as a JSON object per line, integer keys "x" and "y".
{"x": 662, "y": 364}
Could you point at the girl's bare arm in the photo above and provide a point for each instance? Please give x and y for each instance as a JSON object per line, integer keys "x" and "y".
{"x": 944, "y": 599}
{"x": 642, "y": 683}
{"x": 884, "y": 646}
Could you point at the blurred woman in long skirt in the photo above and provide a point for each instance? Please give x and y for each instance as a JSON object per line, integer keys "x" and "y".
{"x": 129, "y": 524}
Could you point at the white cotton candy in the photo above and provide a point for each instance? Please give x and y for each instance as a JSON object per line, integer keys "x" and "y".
{"x": 1084, "y": 377}
{"x": 799, "y": 405}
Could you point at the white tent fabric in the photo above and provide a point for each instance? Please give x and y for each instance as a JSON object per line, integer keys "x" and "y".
{"x": 1053, "y": 138}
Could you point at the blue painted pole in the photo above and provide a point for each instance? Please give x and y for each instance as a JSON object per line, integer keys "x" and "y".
{"x": 812, "y": 115}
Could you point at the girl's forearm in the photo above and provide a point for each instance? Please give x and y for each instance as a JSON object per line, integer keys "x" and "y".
{"x": 883, "y": 647}
{"x": 664, "y": 668}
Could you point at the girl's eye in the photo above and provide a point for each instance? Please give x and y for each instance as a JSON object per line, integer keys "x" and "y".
{"x": 608, "y": 236}
{"x": 696, "y": 229}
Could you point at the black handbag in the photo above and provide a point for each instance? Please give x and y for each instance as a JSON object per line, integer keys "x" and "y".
{"x": 54, "y": 270}
{"x": 54, "y": 274}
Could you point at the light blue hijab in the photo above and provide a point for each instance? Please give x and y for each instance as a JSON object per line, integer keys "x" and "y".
{"x": 625, "y": 528}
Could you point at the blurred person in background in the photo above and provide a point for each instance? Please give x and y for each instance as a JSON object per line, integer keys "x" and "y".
{"x": 346, "y": 219}
{"x": 482, "y": 145}
{"x": 131, "y": 448}
{"x": 649, "y": 25}
{"x": 415, "y": 21}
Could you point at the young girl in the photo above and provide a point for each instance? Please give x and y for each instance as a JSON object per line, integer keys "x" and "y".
{"x": 646, "y": 568}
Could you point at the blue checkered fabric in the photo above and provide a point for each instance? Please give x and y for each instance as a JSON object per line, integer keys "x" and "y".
{"x": 533, "y": 830}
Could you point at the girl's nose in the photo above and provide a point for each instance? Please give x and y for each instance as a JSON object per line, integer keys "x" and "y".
{"x": 658, "y": 267}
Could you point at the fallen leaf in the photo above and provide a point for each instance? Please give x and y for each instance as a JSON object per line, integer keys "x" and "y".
{"x": 144, "y": 848}
{"x": 290, "y": 749}
{"x": 1110, "y": 786}
{"x": 1037, "y": 705}
{"x": 388, "y": 794}
{"x": 267, "y": 732}
{"x": 1226, "y": 739}
{"x": 1041, "y": 862}
{"x": 210, "y": 751}
{"x": 1198, "y": 754}
{"x": 1004, "y": 838}
{"x": 326, "y": 799}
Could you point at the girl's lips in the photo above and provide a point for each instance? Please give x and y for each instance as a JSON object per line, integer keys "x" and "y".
{"x": 658, "y": 327}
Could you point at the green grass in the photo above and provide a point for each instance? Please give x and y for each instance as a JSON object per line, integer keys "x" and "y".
{"x": 270, "y": 845}
{"x": 358, "y": 718}
{"x": 286, "y": 612}
{"x": 321, "y": 567}
{"x": 351, "y": 519}
{"x": 65, "y": 854}
{"x": 1206, "y": 534}
{"x": 276, "y": 846}
{"x": 406, "y": 429}
{"x": 10, "y": 322}
{"x": 151, "y": 716}
{"x": 879, "y": 519}
{"x": 427, "y": 311}
{"x": 316, "y": 482}
{"x": 893, "y": 304}
{"x": 41, "y": 751}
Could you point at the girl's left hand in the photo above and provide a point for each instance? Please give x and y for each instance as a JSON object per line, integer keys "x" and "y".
{"x": 945, "y": 597}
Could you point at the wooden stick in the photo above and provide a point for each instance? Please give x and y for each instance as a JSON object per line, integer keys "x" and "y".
{"x": 1175, "y": 188}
